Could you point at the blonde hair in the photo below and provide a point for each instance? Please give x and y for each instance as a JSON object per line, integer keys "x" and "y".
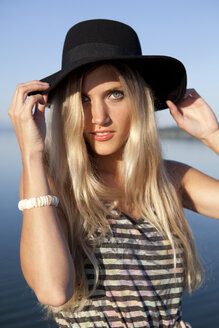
{"x": 85, "y": 202}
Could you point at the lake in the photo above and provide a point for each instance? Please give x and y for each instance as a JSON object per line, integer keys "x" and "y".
{"x": 18, "y": 305}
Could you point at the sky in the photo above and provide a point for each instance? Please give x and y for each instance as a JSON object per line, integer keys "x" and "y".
{"x": 32, "y": 34}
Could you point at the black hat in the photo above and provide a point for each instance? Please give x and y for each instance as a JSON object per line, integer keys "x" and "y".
{"x": 100, "y": 40}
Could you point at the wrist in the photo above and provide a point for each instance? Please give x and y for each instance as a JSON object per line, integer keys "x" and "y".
{"x": 28, "y": 158}
{"x": 34, "y": 177}
{"x": 209, "y": 139}
{"x": 212, "y": 141}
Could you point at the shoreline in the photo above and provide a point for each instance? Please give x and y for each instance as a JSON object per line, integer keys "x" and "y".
{"x": 165, "y": 132}
{"x": 173, "y": 133}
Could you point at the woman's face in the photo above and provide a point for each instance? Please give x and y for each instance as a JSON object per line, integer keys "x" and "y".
{"x": 106, "y": 112}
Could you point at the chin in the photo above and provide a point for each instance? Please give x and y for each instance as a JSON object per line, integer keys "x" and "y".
{"x": 107, "y": 151}
{"x": 103, "y": 152}
{"x": 104, "y": 149}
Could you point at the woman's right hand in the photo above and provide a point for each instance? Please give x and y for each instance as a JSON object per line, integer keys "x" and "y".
{"x": 29, "y": 126}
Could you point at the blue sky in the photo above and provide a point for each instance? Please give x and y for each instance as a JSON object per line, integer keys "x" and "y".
{"x": 32, "y": 33}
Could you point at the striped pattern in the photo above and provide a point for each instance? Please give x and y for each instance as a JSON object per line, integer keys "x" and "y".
{"x": 137, "y": 287}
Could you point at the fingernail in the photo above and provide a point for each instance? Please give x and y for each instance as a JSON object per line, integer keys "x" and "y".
{"x": 45, "y": 83}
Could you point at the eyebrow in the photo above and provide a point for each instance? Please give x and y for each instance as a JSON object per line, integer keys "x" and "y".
{"x": 116, "y": 88}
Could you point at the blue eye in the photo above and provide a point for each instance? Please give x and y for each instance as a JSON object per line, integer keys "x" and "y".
{"x": 117, "y": 94}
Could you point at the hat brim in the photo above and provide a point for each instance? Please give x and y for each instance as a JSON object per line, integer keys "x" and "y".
{"x": 166, "y": 76}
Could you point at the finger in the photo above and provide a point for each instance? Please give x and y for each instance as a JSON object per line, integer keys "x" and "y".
{"x": 20, "y": 95}
{"x": 191, "y": 93}
{"x": 41, "y": 104}
{"x": 24, "y": 88}
{"x": 39, "y": 114}
{"x": 12, "y": 105}
{"x": 174, "y": 111}
{"x": 16, "y": 103}
{"x": 31, "y": 101}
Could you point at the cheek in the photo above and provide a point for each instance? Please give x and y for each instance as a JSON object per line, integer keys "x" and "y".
{"x": 126, "y": 122}
{"x": 87, "y": 120}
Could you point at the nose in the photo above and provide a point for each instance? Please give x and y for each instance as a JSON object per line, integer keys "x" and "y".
{"x": 99, "y": 112}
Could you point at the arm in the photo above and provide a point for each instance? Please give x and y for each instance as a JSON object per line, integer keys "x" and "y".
{"x": 45, "y": 257}
{"x": 199, "y": 191}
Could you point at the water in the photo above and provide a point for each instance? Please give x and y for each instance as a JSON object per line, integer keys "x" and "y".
{"x": 18, "y": 305}
{"x": 202, "y": 308}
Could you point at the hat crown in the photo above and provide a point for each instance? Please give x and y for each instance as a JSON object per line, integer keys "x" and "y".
{"x": 100, "y": 38}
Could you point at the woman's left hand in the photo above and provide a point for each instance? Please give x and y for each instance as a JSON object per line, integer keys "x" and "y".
{"x": 193, "y": 115}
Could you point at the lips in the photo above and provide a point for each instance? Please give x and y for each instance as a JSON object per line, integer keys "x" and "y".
{"x": 102, "y": 135}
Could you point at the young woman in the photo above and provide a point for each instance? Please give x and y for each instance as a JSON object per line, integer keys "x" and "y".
{"x": 117, "y": 250}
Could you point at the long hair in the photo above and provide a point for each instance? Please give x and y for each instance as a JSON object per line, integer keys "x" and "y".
{"x": 85, "y": 201}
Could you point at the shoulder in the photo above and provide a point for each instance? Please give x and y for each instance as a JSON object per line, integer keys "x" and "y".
{"x": 176, "y": 172}
{"x": 181, "y": 176}
{"x": 186, "y": 176}
{"x": 198, "y": 191}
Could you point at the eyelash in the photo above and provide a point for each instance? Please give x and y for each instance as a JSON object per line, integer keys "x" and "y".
{"x": 84, "y": 99}
{"x": 111, "y": 92}
{"x": 121, "y": 94}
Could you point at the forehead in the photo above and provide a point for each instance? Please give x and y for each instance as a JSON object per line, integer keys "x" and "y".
{"x": 99, "y": 77}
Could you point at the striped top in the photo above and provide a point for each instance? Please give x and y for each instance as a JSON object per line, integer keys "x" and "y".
{"x": 137, "y": 287}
